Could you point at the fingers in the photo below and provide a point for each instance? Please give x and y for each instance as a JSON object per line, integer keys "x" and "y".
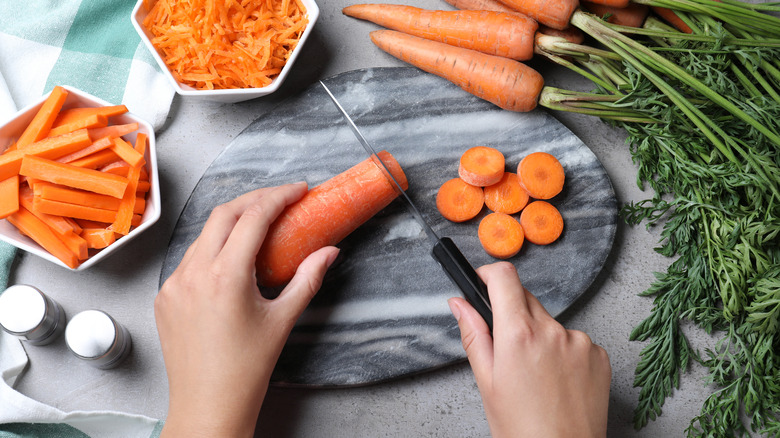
{"x": 507, "y": 297}
{"x": 255, "y": 217}
{"x": 306, "y": 281}
{"x": 476, "y": 339}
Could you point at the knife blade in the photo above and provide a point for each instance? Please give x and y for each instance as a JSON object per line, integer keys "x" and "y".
{"x": 444, "y": 251}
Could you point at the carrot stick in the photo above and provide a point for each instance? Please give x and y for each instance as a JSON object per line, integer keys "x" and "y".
{"x": 98, "y": 238}
{"x": 671, "y": 17}
{"x": 96, "y": 146}
{"x": 72, "y": 176}
{"x": 119, "y": 167}
{"x": 76, "y": 244}
{"x": 542, "y": 223}
{"x": 481, "y": 5}
{"x": 500, "y": 235}
{"x": 325, "y": 216}
{"x": 9, "y": 196}
{"x": 96, "y": 160}
{"x": 144, "y": 186}
{"x": 495, "y": 33}
{"x": 553, "y": 13}
{"x": 51, "y": 148}
{"x": 59, "y": 193}
{"x": 541, "y": 175}
{"x": 41, "y": 124}
{"x": 71, "y": 115}
{"x": 113, "y": 131}
{"x": 57, "y": 223}
{"x": 632, "y": 15}
{"x": 127, "y": 153}
{"x": 458, "y": 201}
{"x": 38, "y": 231}
{"x": 507, "y": 83}
{"x": 481, "y": 166}
{"x": 124, "y": 215}
{"x": 506, "y": 196}
{"x": 571, "y": 33}
{"x": 94, "y": 121}
{"x": 73, "y": 210}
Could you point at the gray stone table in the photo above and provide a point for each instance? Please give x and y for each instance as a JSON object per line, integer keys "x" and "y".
{"x": 443, "y": 402}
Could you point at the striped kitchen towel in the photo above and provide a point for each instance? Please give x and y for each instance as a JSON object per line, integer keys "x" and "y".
{"x": 90, "y": 45}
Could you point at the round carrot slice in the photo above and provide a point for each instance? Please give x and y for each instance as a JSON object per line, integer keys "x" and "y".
{"x": 500, "y": 235}
{"x": 459, "y": 201}
{"x": 506, "y": 196}
{"x": 542, "y": 223}
{"x": 481, "y": 166}
{"x": 541, "y": 175}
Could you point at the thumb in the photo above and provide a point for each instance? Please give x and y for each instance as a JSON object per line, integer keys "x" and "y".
{"x": 307, "y": 280}
{"x": 476, "y": 339}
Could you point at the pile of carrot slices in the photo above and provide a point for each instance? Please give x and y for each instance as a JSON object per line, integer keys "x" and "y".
{"x": 71, "y": 182}
{"x": 483, "y": 181}
{"x": 223, "y": 44}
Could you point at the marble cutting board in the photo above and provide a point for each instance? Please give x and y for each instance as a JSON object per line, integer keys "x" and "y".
{"x": 382, "y": 310}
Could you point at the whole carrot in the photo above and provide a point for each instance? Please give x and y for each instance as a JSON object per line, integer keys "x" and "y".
{"x": 553, "y": 13}
{"x": 325, "y": 216}
{"x": 631, "y": 15}
{"x": 496, "y": 33}
{"x": 507, "y": 83}
{"x": 481, "y": 5}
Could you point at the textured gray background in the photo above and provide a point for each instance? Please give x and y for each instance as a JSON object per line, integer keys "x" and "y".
{"x": 441, "y": 403}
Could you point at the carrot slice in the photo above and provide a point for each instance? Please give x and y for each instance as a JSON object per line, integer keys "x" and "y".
{"x": 38, "y": 231}
{"x": 459, "y": 201}
{"x": 506, "y": 196}
{"x": 481, "y": 166}
{"x": 94, "y": 121}
{"x": 72, "y": 176}
{"x": 51, "y": 148}
{"x": 500, "y": 235}
{"x": 41, "y": 124}
{"x": 541, "y": 175}
{"x": 71, "y": 115}
{"x": 325, "y": 216}
{"x": 9, "y": 196}
{"x": 542, "y": 223}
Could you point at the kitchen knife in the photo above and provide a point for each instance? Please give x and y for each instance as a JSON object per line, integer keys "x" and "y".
{"x": 444, "y": 250}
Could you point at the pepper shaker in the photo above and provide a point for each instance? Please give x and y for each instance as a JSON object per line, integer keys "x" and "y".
{"x": 30, "y": 315}
{"x": 95, "y": 337}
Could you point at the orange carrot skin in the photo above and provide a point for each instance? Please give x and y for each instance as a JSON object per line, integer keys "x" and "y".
{"x": 542, "y": 223}
{"x": 671, "y": 17}
{"x": 631, "y": 15}
{"x": 507, "y": 83}
{"x": 481, "y": 5}
{"x": 495, "y": 33}
{"x": 501, "y": 235}
{"x": 326, "y": 215}
{"x": 553, "y": 13}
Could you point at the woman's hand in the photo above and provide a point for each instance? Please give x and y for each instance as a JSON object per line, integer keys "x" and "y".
{"x": 536, "y": 378}
{"x": 220, "y": 338}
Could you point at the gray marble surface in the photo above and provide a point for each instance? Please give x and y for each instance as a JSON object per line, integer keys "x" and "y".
{"x": 382, "y": 311}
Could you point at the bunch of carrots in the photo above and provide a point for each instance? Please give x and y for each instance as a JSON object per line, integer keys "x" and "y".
{"x": 483, "y": 181}
{"x": 70, "y": 182}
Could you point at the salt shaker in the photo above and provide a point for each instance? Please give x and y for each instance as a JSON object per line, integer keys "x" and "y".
{"x": 98, "y": 339}
{"x": 30, "y": 315}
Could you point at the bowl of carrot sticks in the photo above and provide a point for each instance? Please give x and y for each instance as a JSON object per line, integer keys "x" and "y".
{"x": 221, "y": 51}
{"x": 78, "y": 178}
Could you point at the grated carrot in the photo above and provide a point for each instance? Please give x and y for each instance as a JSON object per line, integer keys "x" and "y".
{"x": 220, "y": 44}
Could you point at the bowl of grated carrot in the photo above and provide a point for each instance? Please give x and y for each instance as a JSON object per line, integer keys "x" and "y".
{"x": 223, "y": 50}
{"x": 78, "y": 178}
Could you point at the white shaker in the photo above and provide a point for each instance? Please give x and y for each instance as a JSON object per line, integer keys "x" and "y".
{"x": 98, "y": 339}
{"x": 30, "y": 315}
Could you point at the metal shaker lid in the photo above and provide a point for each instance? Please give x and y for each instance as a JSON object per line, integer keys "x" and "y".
{"x": 90, "y": 334}
{"x": 22, "y": 309}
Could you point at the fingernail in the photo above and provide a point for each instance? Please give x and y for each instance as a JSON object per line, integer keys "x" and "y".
{"x": 454, "y": 309}
{"x": 332, "y": 257}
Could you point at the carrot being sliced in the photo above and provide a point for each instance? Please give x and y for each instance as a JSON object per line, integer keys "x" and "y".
{"x": 35, "y": 229}
{"x": 481, "y": 166}
{"x": 541, "y": 175}
{"x": 9, "y": 196}
{"x": 459, "y": 201}
{"x": 496, "y": 33}
{"x": 113, "y": 131}
{"x": 98, "y": 238}
{"x": 71, "y": 115}
{"x": 72, "y": 176}
{"x": 94, "y": 121}
{"x": 507, "y": 83}
{"x": 500, "y": 235}
{"x": 51, "y": 148}
{"x": 41, "y": 124}
{"x": 73, "y": 210}
{"x": 506, "y": 196}
{"x": 326, "y": 215}
{"x": 542, "y": 223}
{"x": 127, "y": 153}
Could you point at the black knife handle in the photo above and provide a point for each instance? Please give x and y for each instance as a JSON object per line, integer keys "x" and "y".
{"x": 464, "y": 276}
